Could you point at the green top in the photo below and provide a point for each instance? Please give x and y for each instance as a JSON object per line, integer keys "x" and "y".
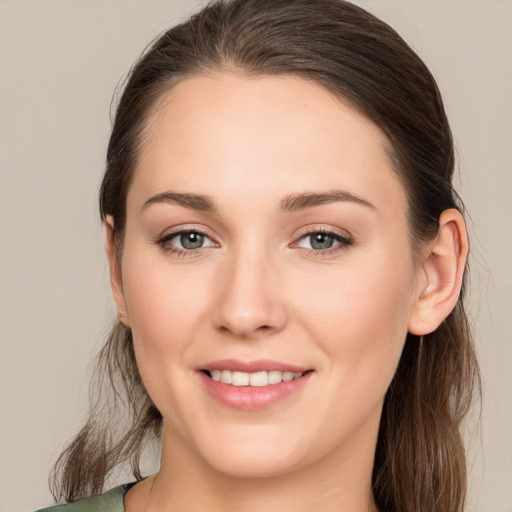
{"x": 111, "y": 501}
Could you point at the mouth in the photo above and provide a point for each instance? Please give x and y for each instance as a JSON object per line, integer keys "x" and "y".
{"x": 255, "y": 379}
{"x": 253, "y": 386}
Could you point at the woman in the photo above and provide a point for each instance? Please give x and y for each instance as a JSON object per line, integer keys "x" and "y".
{"x": 287, "y": 259}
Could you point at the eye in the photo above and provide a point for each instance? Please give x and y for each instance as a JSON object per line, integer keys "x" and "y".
{"x": 189, "y": 240}
{"x": 323, "y": 241}
{"x": 185, "y": 241}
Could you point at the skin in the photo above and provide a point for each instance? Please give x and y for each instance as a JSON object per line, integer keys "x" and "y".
{"x": 258, "y": 289}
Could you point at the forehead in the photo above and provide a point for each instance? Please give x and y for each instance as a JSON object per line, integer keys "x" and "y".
{"x": 221, "y": 134}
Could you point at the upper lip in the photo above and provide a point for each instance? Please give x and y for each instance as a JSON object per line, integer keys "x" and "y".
{"x": 259, "y": 365}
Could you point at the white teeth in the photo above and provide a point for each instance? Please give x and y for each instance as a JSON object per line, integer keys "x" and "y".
{"x": 240, "y": 379}
{"x": 226, "y": 376}
{"x": 275, "y": 377}
{"x": 252, "y": 379}
{"x": 258, "y": 379}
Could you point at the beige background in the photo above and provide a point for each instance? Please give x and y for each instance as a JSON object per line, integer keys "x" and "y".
{"x": 59, "y": 63}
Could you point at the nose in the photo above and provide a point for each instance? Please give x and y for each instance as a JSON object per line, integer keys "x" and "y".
{"x": 250, "y": 301}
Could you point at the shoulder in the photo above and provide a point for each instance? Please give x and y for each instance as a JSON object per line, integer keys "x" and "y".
{"x": 110, "y": 501}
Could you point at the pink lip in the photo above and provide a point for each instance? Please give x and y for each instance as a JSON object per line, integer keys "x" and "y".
{"x": 248, "y": 398}
{"x": 260, "y": 365}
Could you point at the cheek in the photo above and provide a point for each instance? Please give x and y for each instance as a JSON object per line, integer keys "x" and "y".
{"x": 359, "y": 318}
{"x": 164, "y": 302}
{"x": 166, "y": 307}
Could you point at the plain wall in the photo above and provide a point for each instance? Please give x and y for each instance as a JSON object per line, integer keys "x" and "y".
{"x": 60, "y": 62}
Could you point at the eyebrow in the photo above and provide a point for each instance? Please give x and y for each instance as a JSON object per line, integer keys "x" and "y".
{"x": 303, "y": 200}
{"x": 290, "y": 203}
{"x": 192, "y": 201}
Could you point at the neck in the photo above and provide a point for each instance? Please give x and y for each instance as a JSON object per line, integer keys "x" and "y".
{"x": 187, "y": 482}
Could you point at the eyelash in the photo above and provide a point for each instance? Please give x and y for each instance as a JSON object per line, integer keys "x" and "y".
{"x": 342, "y": 242}
{"x": 167, "y": 247}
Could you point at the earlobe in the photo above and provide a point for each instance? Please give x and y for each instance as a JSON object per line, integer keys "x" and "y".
{"x": 444, "y": 270}
{"x": 116, "y": 281}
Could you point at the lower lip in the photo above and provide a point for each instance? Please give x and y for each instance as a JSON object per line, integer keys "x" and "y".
{"x": 249, "y": 398}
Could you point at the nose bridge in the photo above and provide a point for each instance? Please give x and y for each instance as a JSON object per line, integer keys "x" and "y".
{"x": 250, "y": 302}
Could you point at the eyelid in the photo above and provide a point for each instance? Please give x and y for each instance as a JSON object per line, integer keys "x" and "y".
{"x": 177, "y": 234}
{"x": 184, "y": 228}
{"x": 344, "y": 239}
{"x": 164, "y": 241}
{"x": 322, "y": 228}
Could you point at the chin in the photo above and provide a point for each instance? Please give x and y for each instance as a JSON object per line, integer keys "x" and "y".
{"x": 247, "y": 458}
{"x": 255, "y": 467}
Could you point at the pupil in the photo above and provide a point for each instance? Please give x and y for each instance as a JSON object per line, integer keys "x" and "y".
{"x": 321, "y": 241}
{"x": 191, "y": 240}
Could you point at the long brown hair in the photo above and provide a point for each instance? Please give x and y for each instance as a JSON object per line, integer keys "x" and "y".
{"x": 420, "y": 460}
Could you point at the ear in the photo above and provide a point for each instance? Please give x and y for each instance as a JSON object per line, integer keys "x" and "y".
{"x": 444, "y": 269}
{"x": 116, "y": 280}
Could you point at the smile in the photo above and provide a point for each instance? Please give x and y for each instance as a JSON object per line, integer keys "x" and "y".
{"x": 253, "y": 386}
{"x": 257, "y": 379}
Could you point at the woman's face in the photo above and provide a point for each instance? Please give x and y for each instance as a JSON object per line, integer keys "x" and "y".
{"x": 266, "y": 238}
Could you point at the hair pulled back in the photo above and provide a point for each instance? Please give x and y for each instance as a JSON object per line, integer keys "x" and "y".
{"x": 420, "y": 462}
